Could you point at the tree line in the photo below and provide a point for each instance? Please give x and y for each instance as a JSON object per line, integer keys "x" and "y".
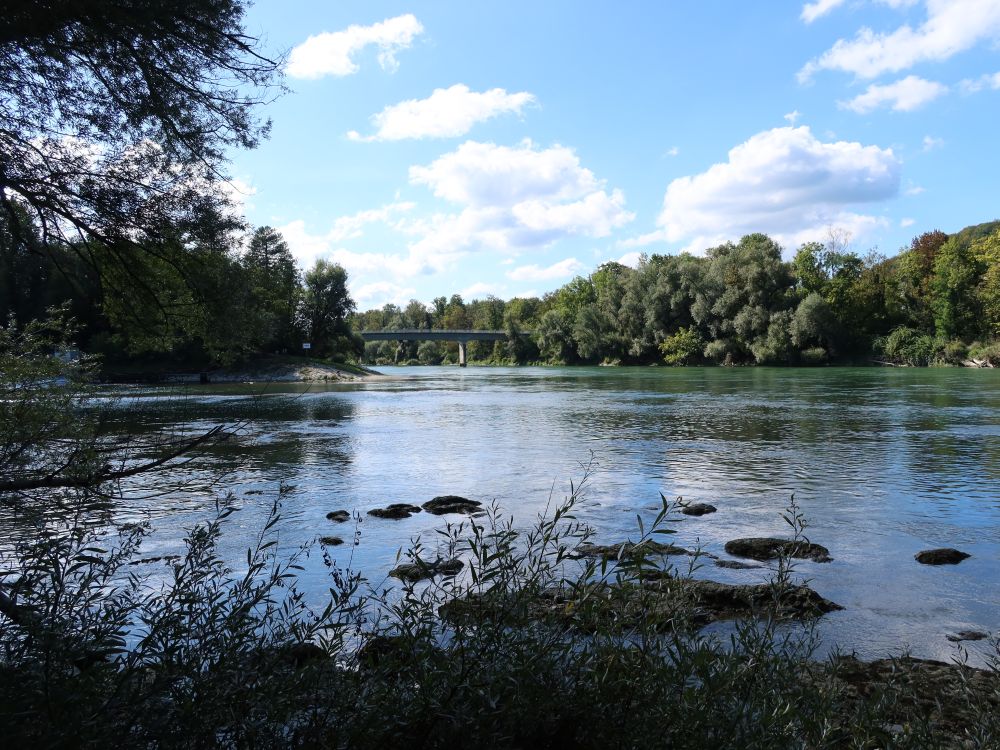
{"x": 937, "y": 301}
{"x": 222, "y": 300}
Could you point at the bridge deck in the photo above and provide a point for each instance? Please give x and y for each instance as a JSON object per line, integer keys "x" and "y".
{"x": 422, "y": 334}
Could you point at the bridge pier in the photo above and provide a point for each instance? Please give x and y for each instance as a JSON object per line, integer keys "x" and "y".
{"x": 461, "y": 353}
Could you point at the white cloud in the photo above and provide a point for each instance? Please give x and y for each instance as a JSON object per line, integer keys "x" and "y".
{"x": 952, "y": 26}
{"x": 509, "y": 200}
{"x": 481, "y": 289}
{"x": 308, "y": 248}
{"x": 905, "y": 95}
{"x": 630, "y": 259}
{"x": 561, "y": 270}
{"x": 673, "y": 151}
{"x": 987, "y": 81}
{"x": 930, "y": 143}
{"x": 446, "y": 113}
{"x": 333, "y": 53}
{"x": 514, "y": 199}
{"x": 915, "y": 190}
{"x": 784, "y": 182}
{"x": 793, "y": 116}
{"x": 904, "y": 223}
{"x": 812, "y": 11}
{"x": 486, "y": 174}
{"x": 380, "y": 293}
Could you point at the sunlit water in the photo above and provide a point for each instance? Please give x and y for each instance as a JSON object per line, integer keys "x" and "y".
{"x": 884, "y": 462}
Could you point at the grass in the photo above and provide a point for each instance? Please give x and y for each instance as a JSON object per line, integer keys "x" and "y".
{"x": 528, "y": 646}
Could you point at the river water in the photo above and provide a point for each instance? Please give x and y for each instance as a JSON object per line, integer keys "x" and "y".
{"x": 884, "y": 463}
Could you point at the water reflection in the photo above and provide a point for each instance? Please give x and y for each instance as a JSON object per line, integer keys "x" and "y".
{"x": 884, "y": 463}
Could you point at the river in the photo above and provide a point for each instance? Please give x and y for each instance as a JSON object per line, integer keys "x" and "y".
{"x": 883, "y": 462}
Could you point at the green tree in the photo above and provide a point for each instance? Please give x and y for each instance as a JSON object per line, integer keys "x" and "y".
{"x": 956, "y": 275}
{"x": 326, "y": 305}
{"x": 118, "y": 116}
{"x": 276, "y": 289}
{"x": 987, "y": 254}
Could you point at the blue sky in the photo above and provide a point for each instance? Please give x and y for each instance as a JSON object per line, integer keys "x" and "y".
{"x": 502, "y": 148}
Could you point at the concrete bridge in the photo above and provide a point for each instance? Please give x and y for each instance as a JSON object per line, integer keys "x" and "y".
{"x": 463, "y": 337}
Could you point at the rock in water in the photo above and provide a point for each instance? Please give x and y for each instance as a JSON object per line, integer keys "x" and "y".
{"x": 452, "y": 504}
{"x": 339, "y": 516}
{"x": 735, "y": 565}
{"x": 624, "y": 550}
{"x": 419, "y": 569}
{"x": 395, "y": 511}
{"x": 943, "y": 556}
{"x": 966, "y": 635}
{"x": 331, "y": 541}
{"x": 698, "y": 509}
{"x": 769, "y": 548}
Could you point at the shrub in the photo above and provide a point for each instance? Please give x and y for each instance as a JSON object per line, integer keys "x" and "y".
{"x": 815, "y": 355}
{"x": 909, "y": 346}
{"x": 682, "y": 347}
{"x": 525, "y": 647}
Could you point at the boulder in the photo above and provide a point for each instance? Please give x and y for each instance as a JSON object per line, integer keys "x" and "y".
{"x": 735, "y": 565}
{"x": 967, "y": 635}
{"x": 769, "y": 548}
{"x": 624, "y": 550}
{"x": 663, "y": 602}
{"x": 338, "y": 516}
{"x": 443, "y": 504}
{"x": 395, "y": 511}
{"x": 331, "y": 541}
{"x": 698, "y": 509}
{"x": 419, "y": 570}
{"x": 943, "y": 556}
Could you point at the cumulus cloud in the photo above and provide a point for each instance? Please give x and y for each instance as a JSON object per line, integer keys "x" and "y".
{"x": 631, "y": 259}
{"x": 561, "y": 270}
{"x": 332, "y": 54}
{"x": 905, "y": 95}
{"x": 930, "y": 143}
{"x": 446, "y": 113}
{"x": 379, "y": 293}
{"x": 481, "y": 289}
{"x": 505, "y": 200}
{"x": 952, "y": 26}
{"x": 673, "y": 151}
{"x": 904, "y": 223}
{"x": 812, "y": 11}
{"x": 514, "y": 199}
{"x": 793, "y": 116}
{"x": 785, "y": 182}
{"x": 974, "y": 85}
{"x": 308, "y": 247}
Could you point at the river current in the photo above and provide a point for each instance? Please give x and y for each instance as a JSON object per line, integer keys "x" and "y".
{"x": 883, "y": 462}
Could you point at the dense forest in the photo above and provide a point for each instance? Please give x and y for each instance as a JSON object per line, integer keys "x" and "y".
{"x": 224, "y": 298}
{"x": 936, "y": 302}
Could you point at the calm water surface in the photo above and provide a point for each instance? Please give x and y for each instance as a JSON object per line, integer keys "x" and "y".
{"x": 884, "y": 462}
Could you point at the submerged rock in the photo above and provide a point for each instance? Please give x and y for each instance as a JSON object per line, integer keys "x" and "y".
{"x": 452, "y": 504}
{"x": 395, "y": 511}
{"x": 967, "y": 635}
{"x": 735, "y": 564}
{"x": 624, "y": 550}
{"x": 331, "y": 541}
{"x": 725, "y": 601}
{"x": 769, "y": 548}
{"x": 419, "y": 570}
{"x": 698, "y": 509}
{"x": 661, "y": 602}
{"x": 338, "y": 516}
{"x": 943, "y": 556}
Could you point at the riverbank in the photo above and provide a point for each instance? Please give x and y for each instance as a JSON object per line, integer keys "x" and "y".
{"x": 273, "y": 369}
